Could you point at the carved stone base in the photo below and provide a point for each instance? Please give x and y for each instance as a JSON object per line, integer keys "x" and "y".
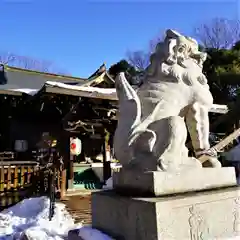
{"x": 204, "y": 215}
{"x": 165, "y": 183}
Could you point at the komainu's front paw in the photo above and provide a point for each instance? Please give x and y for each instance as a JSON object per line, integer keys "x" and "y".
{"x": 212, "y": 162}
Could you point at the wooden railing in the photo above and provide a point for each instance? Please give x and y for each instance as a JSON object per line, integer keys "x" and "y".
{"x": 19, "y": 180}
{"x": 13, "y": 177}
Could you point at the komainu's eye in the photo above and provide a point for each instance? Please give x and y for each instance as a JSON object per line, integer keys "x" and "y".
{"x": 180, "y": 49}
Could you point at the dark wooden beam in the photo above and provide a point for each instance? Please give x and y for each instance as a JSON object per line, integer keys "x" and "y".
{"x": 229, "y": 118}
{"x": 106, "y": 162}
{"x": 10, "y": 92}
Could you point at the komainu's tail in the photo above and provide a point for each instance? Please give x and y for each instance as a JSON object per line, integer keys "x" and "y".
{"x": 129, "y": 117}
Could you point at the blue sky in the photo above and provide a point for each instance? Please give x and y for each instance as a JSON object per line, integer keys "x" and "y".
{"x": 78, "y": 36}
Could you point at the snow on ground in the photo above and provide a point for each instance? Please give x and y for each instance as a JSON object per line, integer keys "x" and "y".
{"x": 31, "y": 216}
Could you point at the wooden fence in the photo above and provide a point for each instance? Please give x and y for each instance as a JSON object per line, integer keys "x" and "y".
{"x": 19, "y": 180}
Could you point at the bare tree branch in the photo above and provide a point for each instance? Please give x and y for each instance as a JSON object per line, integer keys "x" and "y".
{"x": 6, "y": 58}
{"x": 140, "y": 59}
{"x": 218, "y": 33}
{"x": 24, "y": 62}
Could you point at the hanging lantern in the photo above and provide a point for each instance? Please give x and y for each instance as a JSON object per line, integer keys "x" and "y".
{"x": 21, "y": 146}
{"x": 75, "y": 146}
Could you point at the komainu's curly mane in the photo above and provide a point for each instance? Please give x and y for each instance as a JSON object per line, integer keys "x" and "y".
{"x": 175, "y": 57}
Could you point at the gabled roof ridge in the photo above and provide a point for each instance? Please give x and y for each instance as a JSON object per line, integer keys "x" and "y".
{"x": 99, "y": 71}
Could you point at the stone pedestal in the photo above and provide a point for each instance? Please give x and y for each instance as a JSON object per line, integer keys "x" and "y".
{"x": 165, "y": 183}
{"x": 197, "y": 204}
{"x": 211, "y": 214}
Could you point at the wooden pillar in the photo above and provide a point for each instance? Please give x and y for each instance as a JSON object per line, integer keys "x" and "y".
{"x": 63, "y": 144}
{"x": 63, "y": 183}
{"x": 106, "y": 159}
{"x": 71, "y": 170}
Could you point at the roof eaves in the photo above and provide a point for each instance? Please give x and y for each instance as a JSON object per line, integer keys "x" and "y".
{"x": 77, "y": 93}
{"x": 10, "y": 92}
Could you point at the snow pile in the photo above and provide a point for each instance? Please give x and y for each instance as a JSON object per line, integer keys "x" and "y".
{"x": 31, "y": 217}
{"x": 109, "y": 184}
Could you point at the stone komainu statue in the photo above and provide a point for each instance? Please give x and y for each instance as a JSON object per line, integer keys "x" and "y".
{"x": 174, "y": 97}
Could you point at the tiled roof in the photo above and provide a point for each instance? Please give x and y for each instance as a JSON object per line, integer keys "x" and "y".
{"x": 14, "y": 80}
{"x": 35, "y": 80}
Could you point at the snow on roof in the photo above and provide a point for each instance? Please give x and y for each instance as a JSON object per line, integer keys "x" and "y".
{"x": 27, "y": 91}
{"x": 82, "y": 88}
{"x": 110, "y": 93}
{"x": 217, "y": 108}
{"x": 87, "y": 91}
{"x": 81, "y": 91}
